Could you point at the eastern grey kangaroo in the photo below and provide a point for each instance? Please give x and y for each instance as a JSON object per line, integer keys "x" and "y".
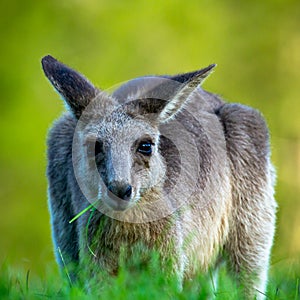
{"x": 168, "y": 165}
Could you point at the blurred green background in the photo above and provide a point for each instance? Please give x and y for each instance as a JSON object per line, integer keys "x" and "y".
{"x": 256, "y": 45}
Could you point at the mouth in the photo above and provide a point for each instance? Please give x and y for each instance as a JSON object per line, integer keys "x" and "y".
{"x": 118, "y": 204}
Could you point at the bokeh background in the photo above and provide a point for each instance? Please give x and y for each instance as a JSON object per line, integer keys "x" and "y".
{"x": 256, "y": 45}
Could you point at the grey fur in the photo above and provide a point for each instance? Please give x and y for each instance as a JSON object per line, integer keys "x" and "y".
{"x": 231, "y": 209}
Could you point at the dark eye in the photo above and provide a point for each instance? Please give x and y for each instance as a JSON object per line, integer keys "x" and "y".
{"x": 145, "y": 148}
{"x": 98, "y": 148}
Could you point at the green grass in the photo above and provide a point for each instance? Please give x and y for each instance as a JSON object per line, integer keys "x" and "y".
{"x": 136, "y": 282}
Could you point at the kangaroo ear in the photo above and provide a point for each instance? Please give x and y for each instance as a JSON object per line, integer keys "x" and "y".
{"x": 191, "y": 81}
{"x": 76, "y": 90}
{"x": 186, "y": 77}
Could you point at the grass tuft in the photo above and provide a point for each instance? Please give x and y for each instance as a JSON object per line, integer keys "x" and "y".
{"x": 137, "y": 280}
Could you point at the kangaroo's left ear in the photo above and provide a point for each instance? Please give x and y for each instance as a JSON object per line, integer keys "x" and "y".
{"x": 194, "y": 80}
{"x": 76, "y": 90}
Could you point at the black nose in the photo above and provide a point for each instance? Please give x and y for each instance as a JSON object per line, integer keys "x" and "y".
{"x": 121, "y": 191}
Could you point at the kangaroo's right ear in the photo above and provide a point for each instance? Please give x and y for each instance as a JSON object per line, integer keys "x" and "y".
{"x": 191, "y": 81}
{"x": 76, "y": 90}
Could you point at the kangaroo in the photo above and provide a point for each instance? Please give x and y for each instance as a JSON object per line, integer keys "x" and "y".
{"x": 167, "y": 165}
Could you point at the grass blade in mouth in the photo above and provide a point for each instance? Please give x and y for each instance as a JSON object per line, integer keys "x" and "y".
{"x": 83, "y": 211}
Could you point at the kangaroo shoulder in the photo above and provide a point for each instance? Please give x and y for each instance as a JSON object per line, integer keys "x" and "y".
{"x": 245, "y": 125}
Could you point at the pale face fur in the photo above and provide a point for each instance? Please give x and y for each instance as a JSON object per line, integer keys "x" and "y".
{"x": 113, "y": 142}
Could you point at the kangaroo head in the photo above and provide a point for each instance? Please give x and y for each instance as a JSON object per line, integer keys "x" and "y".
{"x": 121, "y": 134}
